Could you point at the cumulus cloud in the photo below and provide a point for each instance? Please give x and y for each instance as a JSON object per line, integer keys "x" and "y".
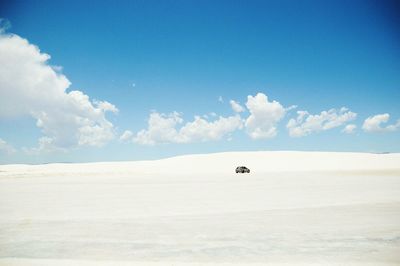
{"x": 29, "y": 86}
{"x": 6, "y": 148}
{"x": 306, "y": 123}
{"x": 264, "y": 116}
{"x": 374, "y": 124}
{"x": 236, "y": 106}
{"x": 203, "y": 130}
{"x": 349, "y": 129}
{"x": 170, "y": 128}
{"x": 163, "y": 128}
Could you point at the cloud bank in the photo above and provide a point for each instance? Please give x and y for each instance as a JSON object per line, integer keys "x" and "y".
{"x": 170, "y": 128}
{"x": 163, "y": 128}
{"x": 29, "y": 86}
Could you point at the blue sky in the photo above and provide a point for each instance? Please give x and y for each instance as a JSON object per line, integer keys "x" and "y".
{"x": 160, "y": 57}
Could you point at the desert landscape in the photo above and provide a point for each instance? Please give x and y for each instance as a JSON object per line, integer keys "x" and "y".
{"x": 199, "y": 133}
{"x": 294, "y": 208}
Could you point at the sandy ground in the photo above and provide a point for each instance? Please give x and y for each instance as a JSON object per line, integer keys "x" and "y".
{"x": 294, "y": 208}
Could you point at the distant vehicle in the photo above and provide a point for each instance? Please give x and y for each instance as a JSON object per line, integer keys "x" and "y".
{"x": 242, "y": 169}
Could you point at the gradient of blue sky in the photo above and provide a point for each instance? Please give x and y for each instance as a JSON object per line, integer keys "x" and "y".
{"x": 183, "y": 55}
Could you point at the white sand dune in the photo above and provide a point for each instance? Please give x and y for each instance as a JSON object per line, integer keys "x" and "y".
{"x": 297, "y": 208}
{"x": 260, "y": 162}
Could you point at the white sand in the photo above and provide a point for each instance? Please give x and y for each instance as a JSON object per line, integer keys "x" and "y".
{"x": 293, "y": 208}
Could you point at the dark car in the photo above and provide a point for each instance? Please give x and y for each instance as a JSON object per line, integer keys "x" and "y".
{"x": 242, "y": 169}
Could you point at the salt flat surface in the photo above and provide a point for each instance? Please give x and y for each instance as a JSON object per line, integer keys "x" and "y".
{"x": 297, "y": 208}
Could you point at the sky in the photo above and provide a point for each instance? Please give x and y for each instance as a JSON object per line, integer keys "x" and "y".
{"x": 84, "y": 81}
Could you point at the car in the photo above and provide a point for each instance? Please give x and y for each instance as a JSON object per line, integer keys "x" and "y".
{"x": 242, "y": 169}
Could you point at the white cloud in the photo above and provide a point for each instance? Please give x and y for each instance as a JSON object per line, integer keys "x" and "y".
{"x": 29, "y": 86}
{"x": 236, "y": 106}
{"x": 374, "y": 124}
{"x": 203, "y": 130}
{"x": 6, "y": 148}
{"x": 106, "y": 106}
{"x": 306, "y": 123}
{"x": 290, "y": 108}
{"x": 170, "y": 128}
{"x": 45, "y": 144}
{"x": 162, "y": 128}
{"x": 264, "y": 116}
{"x": 126, "y": 136}
{"x": 349, "y": 129}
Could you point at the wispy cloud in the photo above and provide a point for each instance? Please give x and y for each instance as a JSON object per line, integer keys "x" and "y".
{"x": 6, "y": 148}
{"x": 126, "y": 136}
